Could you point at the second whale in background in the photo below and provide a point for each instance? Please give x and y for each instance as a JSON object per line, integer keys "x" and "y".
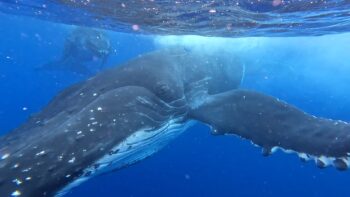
{"x": 85, "y": 50}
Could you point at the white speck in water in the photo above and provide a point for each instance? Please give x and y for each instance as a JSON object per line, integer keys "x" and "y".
{"x": 135, "y": 27}
{"x": 16, "y": 165}
{"x": 16, "y": 193}
{"x": 24, "y": 108}
{"x": 79, "y": 132}
{"x": 95, "y": 94}
{"x": 28, "y": 178}
{"x": 92, "y": 118}
{"x": 99, "y": 109}
{"x": 68, "y": 175}
{"x": 5, "y": 156}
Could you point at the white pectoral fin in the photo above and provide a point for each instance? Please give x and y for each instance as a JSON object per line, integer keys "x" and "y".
{"x": 269, "y": 122}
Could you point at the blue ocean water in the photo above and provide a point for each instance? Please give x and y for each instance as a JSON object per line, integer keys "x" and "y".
{"x": 309, "y": 72}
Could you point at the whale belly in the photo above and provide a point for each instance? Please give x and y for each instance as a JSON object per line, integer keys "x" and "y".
{"x": 138, "y": 146}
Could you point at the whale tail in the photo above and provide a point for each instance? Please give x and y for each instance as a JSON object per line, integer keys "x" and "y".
{"x": 271, "y": 123}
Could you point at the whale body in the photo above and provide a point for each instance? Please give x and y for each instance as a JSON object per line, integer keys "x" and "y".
{"x": 127, "y": 113}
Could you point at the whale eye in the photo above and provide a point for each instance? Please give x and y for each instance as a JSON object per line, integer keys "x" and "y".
{"x": 162, "y": 90}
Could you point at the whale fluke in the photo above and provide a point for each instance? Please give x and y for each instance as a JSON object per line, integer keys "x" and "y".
{"x": 269, "y": 122}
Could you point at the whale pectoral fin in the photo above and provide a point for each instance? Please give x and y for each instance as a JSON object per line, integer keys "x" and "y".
{"x": 269, "y": 122}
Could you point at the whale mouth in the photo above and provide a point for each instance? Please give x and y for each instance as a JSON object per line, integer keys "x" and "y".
{"x": 99, "y": 47}
{"x": 103, "y": 51}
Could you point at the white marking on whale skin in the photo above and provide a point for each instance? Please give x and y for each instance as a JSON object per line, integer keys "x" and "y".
{"x": 5, "y": 156}
{"x": 199, "y": 94}
{"x": 15, "y": 166}
{"x": 40, "y": 153}
{"x": 304, "y": 156}
{"x": 144, "y": 100}
{"x": 71, "y": 160}
{"x": 16, "y": 193}
{"x": 327, "y": 161}
{"x": 136, "y": 147}
{"x": 17, "y": 181}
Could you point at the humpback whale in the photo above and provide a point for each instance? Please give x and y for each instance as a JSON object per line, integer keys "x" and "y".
{"x": 83, "y": 47}
{"x": 127, "y": 113}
